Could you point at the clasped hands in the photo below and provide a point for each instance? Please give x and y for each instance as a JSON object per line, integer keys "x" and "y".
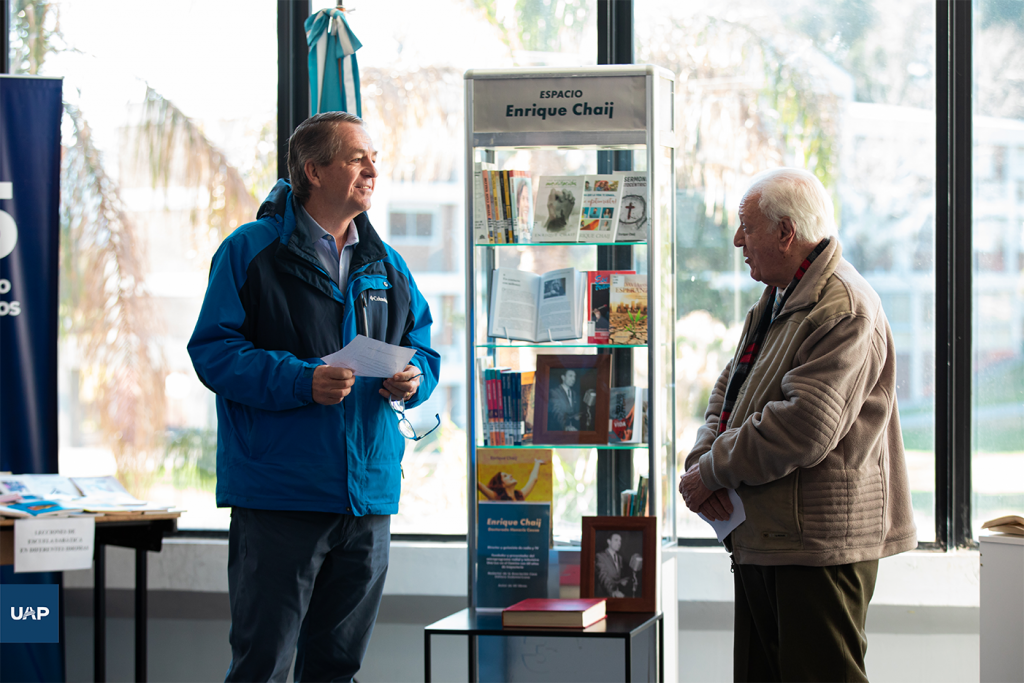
{"x": 715, "y": 505}
{"x": 331, "y": 384}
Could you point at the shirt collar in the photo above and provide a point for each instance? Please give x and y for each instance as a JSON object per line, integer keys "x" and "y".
{"x": 316, "y": 233}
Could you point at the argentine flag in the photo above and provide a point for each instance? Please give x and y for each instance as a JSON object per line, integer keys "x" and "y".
{"x": 333, "y": 71}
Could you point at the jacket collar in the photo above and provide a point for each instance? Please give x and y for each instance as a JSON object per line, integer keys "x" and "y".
{"x": 278, "y": 206}
{"x": 813, "y": 282}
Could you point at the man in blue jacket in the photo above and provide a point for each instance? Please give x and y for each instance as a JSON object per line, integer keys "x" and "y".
{"x": 309, "y": 456}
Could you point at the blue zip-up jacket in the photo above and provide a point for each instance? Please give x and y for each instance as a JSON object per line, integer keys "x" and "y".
{"x": 271, "y": 312}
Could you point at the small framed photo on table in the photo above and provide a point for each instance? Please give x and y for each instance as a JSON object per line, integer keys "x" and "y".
{"x": 571, "y": 399}
{"x": 617, "y": 560}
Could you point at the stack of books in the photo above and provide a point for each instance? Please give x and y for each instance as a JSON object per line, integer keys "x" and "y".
{"x": 52, "y": 495}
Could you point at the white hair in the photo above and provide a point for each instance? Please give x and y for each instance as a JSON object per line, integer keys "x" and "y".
{"x": 798, "y": 195}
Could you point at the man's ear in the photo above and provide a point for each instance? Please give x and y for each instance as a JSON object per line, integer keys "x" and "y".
{"x": 786, "y": 233}
{"x": 312, "y": 174}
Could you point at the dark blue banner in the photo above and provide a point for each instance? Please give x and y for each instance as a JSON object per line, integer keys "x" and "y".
{"x": 30, "y": 115}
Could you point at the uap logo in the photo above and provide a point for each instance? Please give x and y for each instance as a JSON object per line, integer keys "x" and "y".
{"x": 37, "y": 613}
{"x": 29, "y": 613}
{"x": 8, "y": 228}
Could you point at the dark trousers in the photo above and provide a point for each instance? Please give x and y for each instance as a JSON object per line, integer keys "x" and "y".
{"x": 802, "y": 623}
{"x": 306, "y": 584}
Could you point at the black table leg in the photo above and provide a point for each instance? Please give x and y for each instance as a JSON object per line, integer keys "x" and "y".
{"x": 472, "y": 660}
{"x": 99, "y": 615}
{"x": 141, "y": 594}
{"x": 629, "y": 658}
{"x": 426, "y": 657}
{"x": 661, "y": 650}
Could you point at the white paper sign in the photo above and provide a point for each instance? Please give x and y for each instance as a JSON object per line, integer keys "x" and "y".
{"x": 55, "y": 544}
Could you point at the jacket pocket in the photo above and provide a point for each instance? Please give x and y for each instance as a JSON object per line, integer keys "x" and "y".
{"x": 773, "y": 522}
{"x": 370, "y": 296}
{"x": 298, "y": 436}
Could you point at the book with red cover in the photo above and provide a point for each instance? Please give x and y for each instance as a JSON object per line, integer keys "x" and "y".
{"x": 554, "y": 613}
{"x": 598, "y": 312}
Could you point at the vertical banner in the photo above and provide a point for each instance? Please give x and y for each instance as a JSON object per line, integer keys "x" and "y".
{"x": 30, "y": 115}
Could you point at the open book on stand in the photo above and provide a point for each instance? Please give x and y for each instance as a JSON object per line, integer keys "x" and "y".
{"x": 536, "y": 308}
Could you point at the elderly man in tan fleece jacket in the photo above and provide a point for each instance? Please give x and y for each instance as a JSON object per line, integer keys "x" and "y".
{"x": 803, "y": 424}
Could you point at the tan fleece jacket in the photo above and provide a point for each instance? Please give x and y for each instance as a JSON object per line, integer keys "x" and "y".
{"x": 814, "y": 448}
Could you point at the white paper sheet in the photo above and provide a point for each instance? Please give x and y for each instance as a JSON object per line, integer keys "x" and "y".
{"x": 738, "y": 516}
{"x": 371, "y": 358}
{"x": 53, "y": 544}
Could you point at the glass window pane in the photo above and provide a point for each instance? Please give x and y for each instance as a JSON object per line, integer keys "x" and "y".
{"x": 165, "y": 153}
{"x": 411, "y": 73}
{"x": 997, "y": 402}
{"x": 844, "y": 90}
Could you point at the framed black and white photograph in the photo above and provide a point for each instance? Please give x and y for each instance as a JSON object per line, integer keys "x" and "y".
{"x": 617, "y": 562}
{"x": 571, "y": 399}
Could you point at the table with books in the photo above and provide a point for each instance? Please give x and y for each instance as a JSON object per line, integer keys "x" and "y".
{"x": 624, "y": 626}
{"x": 121, "y": 520}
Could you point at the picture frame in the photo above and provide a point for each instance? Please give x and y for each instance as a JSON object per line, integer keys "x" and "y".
{"x": 571, "y": 399}
{"x": 637, "y": 538}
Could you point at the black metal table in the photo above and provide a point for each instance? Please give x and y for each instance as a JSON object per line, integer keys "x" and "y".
{"x": 619, "y": 626}
{"x": 144, "y": 533}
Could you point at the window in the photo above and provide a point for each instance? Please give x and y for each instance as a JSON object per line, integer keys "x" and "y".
{"x": 844, "y": 93}
{"x": 409, "y": 226}
{"x": 997, "y": 360}
{"x": 186, "y": 152}
{"x": 412, "y": 91}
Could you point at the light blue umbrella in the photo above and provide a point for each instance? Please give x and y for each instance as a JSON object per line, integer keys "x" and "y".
{"x": 333, "y": 70}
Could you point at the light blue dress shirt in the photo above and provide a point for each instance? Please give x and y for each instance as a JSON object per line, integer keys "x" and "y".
{"x": 327, "y": 249}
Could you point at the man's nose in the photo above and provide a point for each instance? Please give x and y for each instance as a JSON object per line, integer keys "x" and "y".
{"x": 737, "y": 239}
{"x": 371, "y": 169}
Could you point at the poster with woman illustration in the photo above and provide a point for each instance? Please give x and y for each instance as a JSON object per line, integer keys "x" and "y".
{"x": 521, "y": 475}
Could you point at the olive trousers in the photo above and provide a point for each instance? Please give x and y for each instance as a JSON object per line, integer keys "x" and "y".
{"x": 795, "y": 623}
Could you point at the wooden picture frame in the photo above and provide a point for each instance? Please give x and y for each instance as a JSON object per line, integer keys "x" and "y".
{"x": 554, "y": 420}
{"x": 637, "y": 536}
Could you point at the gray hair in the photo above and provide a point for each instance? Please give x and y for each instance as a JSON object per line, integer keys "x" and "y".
{"x": 316, "y": 140}
{"x": 798, "y": 195}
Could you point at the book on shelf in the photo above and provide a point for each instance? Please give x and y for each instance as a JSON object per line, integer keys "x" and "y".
{"x": 519, "y": 475}
{"x": 632, "y": 213}
{"x": 598, "y": 215}
{"x": 554, "y": 613}
{"x": 643, "y": 436}
{"x": 526, "y": 393}
{"x": 481, "y": 213}
{"x": 639, "y": 506}
{"x": 558, "y": 207}
{"x": 522, "y": 204}
{"x": 627, "y": 301}
{"x": 536, "y": 308}
{"x": 597, "y": 308}
{"x": 624, "y": 414}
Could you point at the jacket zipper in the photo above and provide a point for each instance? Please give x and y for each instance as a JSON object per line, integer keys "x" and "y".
{"x": 366, "y": 320}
